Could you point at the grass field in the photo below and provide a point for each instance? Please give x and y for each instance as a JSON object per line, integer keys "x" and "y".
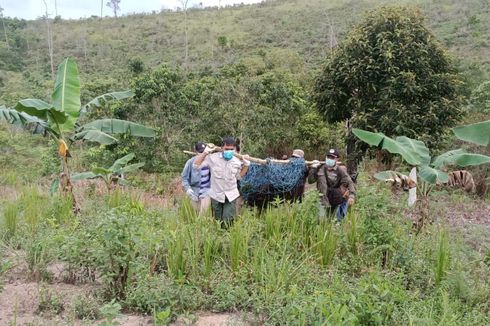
{"x": 125, "y": 256}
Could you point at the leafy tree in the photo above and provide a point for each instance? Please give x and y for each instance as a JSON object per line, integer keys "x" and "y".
{"x": 390, "y": 75}
{"x": 314, "y": 136}
{"x": 261, "y": 111}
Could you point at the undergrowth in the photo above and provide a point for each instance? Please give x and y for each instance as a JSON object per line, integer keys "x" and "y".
{"x": 284, "y": 267}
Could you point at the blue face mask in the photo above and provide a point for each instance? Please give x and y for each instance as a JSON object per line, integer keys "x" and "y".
{"x": 329, "y": 162}
{"x": 228, "y": 155}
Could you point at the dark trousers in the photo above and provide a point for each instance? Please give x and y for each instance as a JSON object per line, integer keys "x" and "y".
{"x": 224, "y": 212}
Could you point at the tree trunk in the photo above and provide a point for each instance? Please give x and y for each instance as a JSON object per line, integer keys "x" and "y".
{"x": 352, "y": 155}
{"x": 5, "y": 32}
{"x": 50, "y": 40}
{"x": 186, "y": 37}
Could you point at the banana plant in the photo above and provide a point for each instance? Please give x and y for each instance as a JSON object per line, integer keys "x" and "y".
{"x": 416, "y": 154}
{"x": 476, "y": 133}
{"x": 111, "y": 175}
{"x": 61, "y": 117}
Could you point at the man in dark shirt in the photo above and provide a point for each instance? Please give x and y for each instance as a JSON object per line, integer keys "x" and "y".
{"x": 336, "y": 187}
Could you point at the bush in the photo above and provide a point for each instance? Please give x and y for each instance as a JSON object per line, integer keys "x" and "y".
{"x": 114, "y": 250}
{"x": 87, "y": 307}
{"x": 49, "y": 302}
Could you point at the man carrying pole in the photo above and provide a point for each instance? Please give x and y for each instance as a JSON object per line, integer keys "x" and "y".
{"x": 196, "y": 182}
{"x": 336, "y": 187}
{"x": 225, "y": 170}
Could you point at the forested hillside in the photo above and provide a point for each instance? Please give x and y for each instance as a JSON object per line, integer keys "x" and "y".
{"x": 245, "y": 64}
{"x": 293, "y": 35}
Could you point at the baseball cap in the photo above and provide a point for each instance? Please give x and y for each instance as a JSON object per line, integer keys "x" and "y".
{"x": 333, "y": 152}
{"x": 298, "y": 153}
{"x": 200, "y": 146}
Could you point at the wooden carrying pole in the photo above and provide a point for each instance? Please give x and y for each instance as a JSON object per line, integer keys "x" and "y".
{"x": 254, "y": 159}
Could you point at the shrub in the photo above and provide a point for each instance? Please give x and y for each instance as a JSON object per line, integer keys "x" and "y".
{"x": 49, "y": 302}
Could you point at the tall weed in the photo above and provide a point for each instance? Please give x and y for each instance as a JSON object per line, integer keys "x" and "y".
{"x": 352, "y": 232}
{"x": 443, "y": 256}
{"x": 238, "y": 246}
{"x": 176, "y": 256}
{"x": 11, "y": 213}
{"x": 210, "y": 251}
{"x": 325, "y": 242}
{"x": 34, "y": 206}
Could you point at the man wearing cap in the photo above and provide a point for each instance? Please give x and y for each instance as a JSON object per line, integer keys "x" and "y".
{"x": 334, "y": 184}
{"x": 196, "y": 182}
{"x": 225, "y": 169}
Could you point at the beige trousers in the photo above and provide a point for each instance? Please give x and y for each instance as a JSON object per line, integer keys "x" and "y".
{"x": 202, "y": 205}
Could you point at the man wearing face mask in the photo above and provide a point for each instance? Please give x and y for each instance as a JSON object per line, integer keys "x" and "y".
{"x": 334, "y": 184}
{"x": 225, "y": 169}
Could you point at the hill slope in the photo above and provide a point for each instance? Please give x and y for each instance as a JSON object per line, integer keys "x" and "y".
{"x": 295, "y": 34}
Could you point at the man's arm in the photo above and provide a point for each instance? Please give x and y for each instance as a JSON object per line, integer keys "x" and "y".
{"x": 312, "y": 175}
{"x": 185, "y": 175}
{"x": 313, "y": 171}
{"x": 243, "y": 171}
{"x": 347, "y": 181}
{"x": 200, "y": 159}
{"x": 246, "y": 164}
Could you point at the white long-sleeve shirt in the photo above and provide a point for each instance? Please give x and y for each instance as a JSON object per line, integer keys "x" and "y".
{"x": 224, "y": 176}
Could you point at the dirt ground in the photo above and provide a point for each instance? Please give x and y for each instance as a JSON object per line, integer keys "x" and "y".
{"x": 20, "y": 300}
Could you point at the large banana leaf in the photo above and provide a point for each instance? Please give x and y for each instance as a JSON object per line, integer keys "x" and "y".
{"x": 101, "y": 171}
{"x": 460, "y": 158}
{"x": 119, "y": 163}
{"x": 103, "y": 99}
{"x": 95, "y": 136}
{"x": 66, "y": 94}
{"x": 131, "y": 168}
{"x": 42, "y": 110}
{"x": 432, "y": 176}
{"x": 442, "y": 159}
{"x": 83, "y": 176}
{"x": 404, "y": 148}
{"x": 468, "y": 159}
{"x": 477, "y": 133}
{"x": 19, "y": 118}
{"x": 372, "y": 138}
{"x": 115, "y": 126}
{"x": 415, "y": 146}
{"x": 386, "y": 175}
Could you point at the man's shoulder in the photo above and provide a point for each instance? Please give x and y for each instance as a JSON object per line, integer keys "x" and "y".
{"x": 191, "y": 160}
{"x": 213, "y": 158}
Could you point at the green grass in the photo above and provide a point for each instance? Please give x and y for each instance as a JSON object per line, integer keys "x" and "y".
{"x": 10, "y": 216}
{"x": 284, "y": 266}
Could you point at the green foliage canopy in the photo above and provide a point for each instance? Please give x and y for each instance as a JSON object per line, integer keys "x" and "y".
{"x": 391, "y": 75}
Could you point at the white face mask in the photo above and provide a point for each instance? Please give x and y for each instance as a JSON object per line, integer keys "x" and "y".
{"x": 330, "y": 162}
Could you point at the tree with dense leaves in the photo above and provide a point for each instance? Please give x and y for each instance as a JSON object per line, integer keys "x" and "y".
{"x": 390, "y": 75}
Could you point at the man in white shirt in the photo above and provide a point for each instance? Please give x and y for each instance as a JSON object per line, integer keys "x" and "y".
{"x": 225, "y": 169}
